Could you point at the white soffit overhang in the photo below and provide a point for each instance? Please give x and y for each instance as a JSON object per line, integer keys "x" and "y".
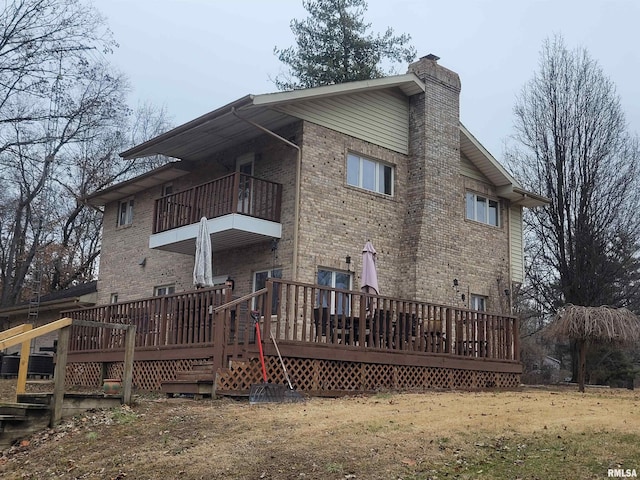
{"x": 506, "y": 186}
{"x": 155, "y": 177}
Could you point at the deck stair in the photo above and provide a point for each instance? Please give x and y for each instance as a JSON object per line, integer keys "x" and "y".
{"x": 32, "y": 412}
{"x": 197, "y": 382}
{"x": 19, "y": 420}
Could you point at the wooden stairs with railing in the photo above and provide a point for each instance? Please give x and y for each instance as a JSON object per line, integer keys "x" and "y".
{"x": 197, "y": 382}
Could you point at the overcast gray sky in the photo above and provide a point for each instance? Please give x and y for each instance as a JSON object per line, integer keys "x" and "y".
{"x": 193, "y": 56}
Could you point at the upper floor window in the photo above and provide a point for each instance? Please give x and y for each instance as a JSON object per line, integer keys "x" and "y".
{"x": 482, "y": 209}
{"x": 164, "y": 290}
{"x": 113, "y": 298}
{"x": 125, "y": 212}
{"x": 369, "y": 174}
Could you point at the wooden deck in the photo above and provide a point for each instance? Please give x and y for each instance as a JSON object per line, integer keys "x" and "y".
{"x": 333, "y": 341}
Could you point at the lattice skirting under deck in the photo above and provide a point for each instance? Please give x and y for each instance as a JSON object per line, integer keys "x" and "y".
{"x": 331, "y": 377}
{"x": 147, "y": 375}
{"x": 317, "y": 377}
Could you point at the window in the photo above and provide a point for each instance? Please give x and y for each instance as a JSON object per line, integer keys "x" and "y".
{"x": 482, "y": 209}
{"x": 334, "y": 279}
{"x": 369, "y": 174}
{"x": 125, "y": 212}
{"x": 167, "y": 189}
{"x": 260, "y": 282}
{"x": 478, "y": 302}
{"x": 114, "y": 298}
{"x": 244, "y": 165}
{"x": 164, "y": 290}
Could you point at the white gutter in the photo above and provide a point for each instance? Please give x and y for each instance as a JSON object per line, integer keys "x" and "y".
{"x": 296, "y": 213}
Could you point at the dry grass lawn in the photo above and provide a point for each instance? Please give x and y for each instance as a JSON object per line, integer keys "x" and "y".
{"x": 524, "y": 434}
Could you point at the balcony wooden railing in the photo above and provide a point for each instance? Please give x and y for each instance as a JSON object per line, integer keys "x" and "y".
{"x": 234, "y": 193}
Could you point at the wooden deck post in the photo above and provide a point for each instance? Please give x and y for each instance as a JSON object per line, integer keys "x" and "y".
{"x": 516, "y": 339}
{"x": 25, "y": 350}
{"x": 362, "y": 321}
{"x": 59, "y": 375}
{"x": 127, "y": 374}
{"x": 267, "y": 311}
{"x": 218, "y": 339}
{"x": 448, "y": 340}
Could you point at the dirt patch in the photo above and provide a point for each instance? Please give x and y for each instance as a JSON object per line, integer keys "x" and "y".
{"x": 531, "y": 433}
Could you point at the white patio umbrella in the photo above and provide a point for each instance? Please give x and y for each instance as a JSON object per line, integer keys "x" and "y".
{"x": 369, "y": 279}
{"x": 203, "y": 269}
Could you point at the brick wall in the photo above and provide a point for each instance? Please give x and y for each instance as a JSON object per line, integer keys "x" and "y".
{"x": 421, "y": 234}
{"x": 124, "y": 247}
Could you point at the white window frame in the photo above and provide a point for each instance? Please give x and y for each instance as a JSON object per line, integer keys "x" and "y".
{"x": 471, "y": 208}
{"x": 245, "y": 165}
{"x": 125, "y": 215}
{"x": 378, "y": 171}
{"x": 113, "y": 298}
{"x": 478, "y": 302}
{"x": 162, "y": 290}
{"x": 270, "y": 274}
{"x": 332, "y": 300}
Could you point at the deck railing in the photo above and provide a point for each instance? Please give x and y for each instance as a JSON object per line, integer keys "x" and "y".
{"x": 234, "y": 193}
{"x": 307, "y": 319}
{"x": 182, "y": 319}
{"x": 303, "y": 314}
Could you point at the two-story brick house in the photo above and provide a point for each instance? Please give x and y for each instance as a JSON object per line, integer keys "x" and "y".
{"x": 385, "y": 160}
{"x": 294, "y": 183}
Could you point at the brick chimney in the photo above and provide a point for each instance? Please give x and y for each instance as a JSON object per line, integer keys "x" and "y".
{"x": 433, "y": 195}
{"x": 427, "y": 69}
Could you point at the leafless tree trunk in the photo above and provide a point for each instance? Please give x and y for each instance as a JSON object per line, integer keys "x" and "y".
{"x": 575, "y": 149}
{"x": 573, "y": 146}
{"x": 63, "y": 119}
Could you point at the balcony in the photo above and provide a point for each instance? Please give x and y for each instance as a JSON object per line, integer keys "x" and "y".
{"x": 240, "y": 210}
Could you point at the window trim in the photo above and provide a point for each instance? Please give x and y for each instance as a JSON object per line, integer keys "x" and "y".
{"x": 489, "y": 200}
{"x": 378, "y": 165}
{"x": 275, "y": 298}
{"x": 332, "y": 301}
{"x": 129, "y": 205}
{"x": 167, "y": 287}
{"x": 473, "y": 298}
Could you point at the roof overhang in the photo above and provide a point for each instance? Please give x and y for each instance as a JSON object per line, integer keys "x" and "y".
{"x": 215, "y": 131}
{"x": 506, "y": 186}
{"x": 53, "y": 305}
{"x": 152, "y": 178}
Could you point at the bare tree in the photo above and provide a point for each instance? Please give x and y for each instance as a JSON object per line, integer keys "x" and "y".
{"x": 90, "y": 165}
{"x": 63, "y": 118}
{"x": 574, "y": 147}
